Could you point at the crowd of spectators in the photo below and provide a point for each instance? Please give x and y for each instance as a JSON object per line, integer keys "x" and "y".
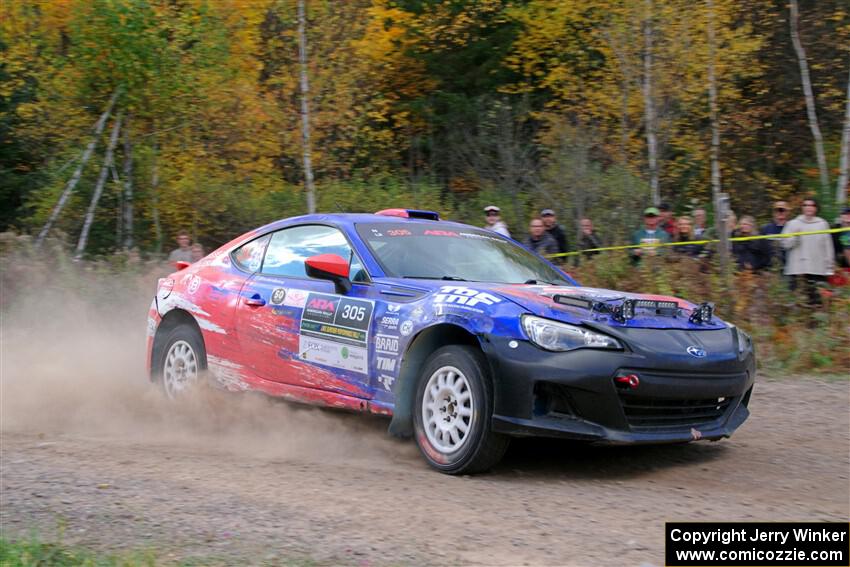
{"x": 806, "y": 261}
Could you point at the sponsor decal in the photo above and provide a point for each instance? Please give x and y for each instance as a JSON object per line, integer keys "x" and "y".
{"x": 295, "y": 297}
{"x": 194, "y": 284}
{"x": 406, "y": 328}
{"x": 418, "y": 314}
{"x": 398, "y": 232}
{"x": 332, "y": 353}
{"x": 386, "y": 364}
{"x": 461, "y": 295}
{"x": 386, "y": 344}
{"x": 376, "y": 232}
{"x": 393, "y": 307}
{"x": 278, "y": 295}
{"x": 387, "y": 381}
{"x": 696, "y": 434}
{"x": 335, "y": 331}
{"x": 389, "y": 323}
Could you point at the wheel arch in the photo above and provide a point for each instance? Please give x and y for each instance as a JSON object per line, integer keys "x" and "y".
{"x": 170, "y": 321}
{"x": 423, "y": 344}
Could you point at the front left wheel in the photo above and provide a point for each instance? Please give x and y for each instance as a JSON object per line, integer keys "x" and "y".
{"x": 182, "y": 362}
{"x": 452, "y": 412}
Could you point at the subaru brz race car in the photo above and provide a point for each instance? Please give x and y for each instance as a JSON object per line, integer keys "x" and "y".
{"x": 461, "y": 335}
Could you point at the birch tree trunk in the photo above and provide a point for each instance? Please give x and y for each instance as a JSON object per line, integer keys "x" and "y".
{"x": 649, "y": 105}
{"x": 841, "y": 189}
{"x": 98, "y": 188}
{"x": 75, "y": 178}
{"x": 157, "y": 227}
{"x": 715, "y": 139}
{"x": 810, "y": 97}
{"x": 305, "y": 110}
{"x": 128, "y": 189}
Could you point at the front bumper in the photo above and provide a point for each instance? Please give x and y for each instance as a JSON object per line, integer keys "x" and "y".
{"x": 574, "y": 394}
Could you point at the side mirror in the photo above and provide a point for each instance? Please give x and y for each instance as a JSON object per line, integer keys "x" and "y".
{"x": 329, "y": 267}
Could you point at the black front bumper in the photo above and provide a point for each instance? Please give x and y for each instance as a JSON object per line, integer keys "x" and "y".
{"x": 575, "y": 394}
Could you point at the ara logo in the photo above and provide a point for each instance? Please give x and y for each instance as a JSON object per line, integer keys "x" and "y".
{"x": 386, "y": 364}
{"x": 322, "y": 304}
{"x": 462, "y": 295}
{"x": 696, "y": 351}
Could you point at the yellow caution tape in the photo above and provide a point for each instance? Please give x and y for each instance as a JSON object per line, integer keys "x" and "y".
{"x": 664, "y": 244}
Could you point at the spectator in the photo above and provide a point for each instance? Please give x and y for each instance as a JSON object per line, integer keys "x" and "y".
{"x": 539, "y": 240}
{"x": 589, "y": 238}
{"x": 197, "y": 252}
{"x": 701, "y": 230}
{"x": 809, "y": 258}
{"x": 667, "y": 224}
{"x": 731, "y": 222}
{"x": 494, "y": 220}
{"x": 685, "y": 233}
{"x": 750, "y": 254}
{"x": 554, "y": 229}
{"x": 648, "y": 236}
{"x": 184, "y": 251}
{"x": 780, "y": 217}
{"x": 841, "y": 240}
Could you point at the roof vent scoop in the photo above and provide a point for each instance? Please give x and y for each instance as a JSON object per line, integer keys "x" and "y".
{"x": 409, "y": 214}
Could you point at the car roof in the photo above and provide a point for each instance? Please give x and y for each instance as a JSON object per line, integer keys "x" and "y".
{"x": 350, "y": 219}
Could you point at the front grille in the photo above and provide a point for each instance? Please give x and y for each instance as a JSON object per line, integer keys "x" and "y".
{"x": 655, "y": 414}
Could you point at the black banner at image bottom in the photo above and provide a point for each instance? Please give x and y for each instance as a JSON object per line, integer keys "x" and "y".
{"x": 757, "y": 544}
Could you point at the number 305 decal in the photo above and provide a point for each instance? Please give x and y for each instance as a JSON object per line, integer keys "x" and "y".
{"x": 353, "y": 313}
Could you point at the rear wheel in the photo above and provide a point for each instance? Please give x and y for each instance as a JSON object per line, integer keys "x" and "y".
{"x": 182, "y": 362}
{"x": 452, "y": 412}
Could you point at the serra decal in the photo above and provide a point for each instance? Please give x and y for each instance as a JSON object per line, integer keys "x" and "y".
{"x": 462, "y": 295}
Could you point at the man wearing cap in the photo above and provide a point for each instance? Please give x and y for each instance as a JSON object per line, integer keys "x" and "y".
{"x": 648, "y": 236}
{"x": 494, "y": 220}
{"x": 553, "y": 229}
{"x": 780, "y": 217}
{"x": 666, "y": 222}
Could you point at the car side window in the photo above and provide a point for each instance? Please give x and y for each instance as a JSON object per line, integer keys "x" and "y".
{"x": 290, "y": 247}
{"x": 249, "y": 256}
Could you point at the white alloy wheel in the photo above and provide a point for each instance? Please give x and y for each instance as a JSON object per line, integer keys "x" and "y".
{"x": 448, "y": 407}
{"x": 180, "y": 369}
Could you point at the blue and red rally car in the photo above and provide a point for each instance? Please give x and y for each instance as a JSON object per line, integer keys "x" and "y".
{"x": 462, "y": 336}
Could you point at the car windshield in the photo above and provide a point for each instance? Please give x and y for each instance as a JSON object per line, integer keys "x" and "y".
{"x": 429, "y": 251}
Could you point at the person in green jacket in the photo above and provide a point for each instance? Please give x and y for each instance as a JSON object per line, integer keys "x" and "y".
{"x": 649, "y": 235}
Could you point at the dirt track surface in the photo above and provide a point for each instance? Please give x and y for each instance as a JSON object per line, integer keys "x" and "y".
{"x": 202, "y": 486}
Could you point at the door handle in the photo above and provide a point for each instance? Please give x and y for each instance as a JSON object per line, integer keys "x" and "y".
{"x": 255, "y": 301}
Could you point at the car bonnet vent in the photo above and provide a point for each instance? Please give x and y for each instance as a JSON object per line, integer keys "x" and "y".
{"x": 409, "y": 214}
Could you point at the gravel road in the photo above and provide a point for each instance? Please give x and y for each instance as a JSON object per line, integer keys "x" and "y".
{"x": 89, "y": 448}
{"x": 243, "y": 479}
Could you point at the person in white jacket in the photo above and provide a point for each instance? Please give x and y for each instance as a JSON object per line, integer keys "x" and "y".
{"x": 810, "y": 258}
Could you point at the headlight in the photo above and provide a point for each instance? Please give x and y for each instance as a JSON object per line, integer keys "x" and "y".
{"x": 552, "y": 335}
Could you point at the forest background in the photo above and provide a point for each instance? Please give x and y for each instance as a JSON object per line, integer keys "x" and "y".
{"x": 418, "y": 103}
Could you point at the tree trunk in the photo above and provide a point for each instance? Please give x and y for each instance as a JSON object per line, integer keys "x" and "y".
{"x": 305, "y": 110}
{"x": 128, "y": 189}
{"x": 841, "y": 189}
{"x": 98, "y": 189}
{"x": 157, "y": 227}
{"x": 810, "y": 97}
{"x": 715, "y": 138}
{"x": 75, "y": 178}
{"x": 649, "y": 106}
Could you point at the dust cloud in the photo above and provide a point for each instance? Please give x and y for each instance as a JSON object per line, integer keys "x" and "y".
{"x": 72, "y": 362}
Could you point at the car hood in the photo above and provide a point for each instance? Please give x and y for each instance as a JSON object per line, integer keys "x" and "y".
{"x": 594, "y": 305}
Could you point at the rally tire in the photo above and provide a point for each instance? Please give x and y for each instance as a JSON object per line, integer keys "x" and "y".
{"x": 181, "y": 366}
{"x": 453, "y": 408}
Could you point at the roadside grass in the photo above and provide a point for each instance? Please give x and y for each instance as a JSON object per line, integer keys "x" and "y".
{"x": 34, "y": 552}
